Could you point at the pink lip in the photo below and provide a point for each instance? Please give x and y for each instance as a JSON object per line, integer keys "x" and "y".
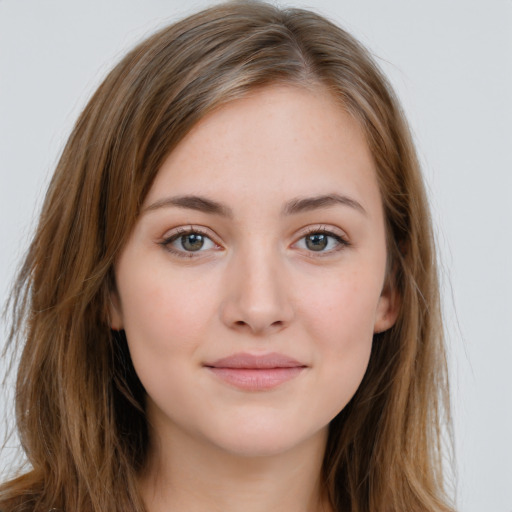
{"x": 256, "y": 372}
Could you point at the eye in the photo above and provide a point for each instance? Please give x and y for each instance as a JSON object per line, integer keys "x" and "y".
{"x": 185, "y": 242}
{"x": 321, "y": 241}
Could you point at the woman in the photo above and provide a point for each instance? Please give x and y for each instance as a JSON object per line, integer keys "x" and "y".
{"x": 231, "y": 300}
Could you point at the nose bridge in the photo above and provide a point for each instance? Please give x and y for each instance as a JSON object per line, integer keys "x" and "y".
{"x": 257, "y": 294}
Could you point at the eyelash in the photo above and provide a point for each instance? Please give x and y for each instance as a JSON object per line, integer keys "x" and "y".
{"x": 181, "y": 232}
{"x": 341, "y": 242}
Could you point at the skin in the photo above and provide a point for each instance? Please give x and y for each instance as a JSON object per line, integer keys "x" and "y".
{"x": 255, "y": 286}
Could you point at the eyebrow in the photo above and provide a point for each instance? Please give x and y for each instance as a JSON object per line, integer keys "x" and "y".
{"x": 292, "y": 207}
{"x": 191, "y": 202}
{"x": 306, "y": 204}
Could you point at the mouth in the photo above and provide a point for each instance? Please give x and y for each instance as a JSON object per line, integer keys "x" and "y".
{"x": 250, "y": 372}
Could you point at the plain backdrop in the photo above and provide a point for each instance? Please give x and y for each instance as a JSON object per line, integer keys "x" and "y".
{"x": 450, "y": 62}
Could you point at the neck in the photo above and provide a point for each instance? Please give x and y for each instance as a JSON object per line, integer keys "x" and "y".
{"x": 190, "y": 475}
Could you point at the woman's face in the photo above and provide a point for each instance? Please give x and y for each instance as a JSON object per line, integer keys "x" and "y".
{"x": 254, "y": 280}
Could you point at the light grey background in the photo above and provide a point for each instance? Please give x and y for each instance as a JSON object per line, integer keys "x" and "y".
{"x": 450, "y": 62}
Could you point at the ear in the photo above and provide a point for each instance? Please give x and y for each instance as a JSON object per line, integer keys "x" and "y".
{"x": 387, "y": 308}
{"x": 114, "y": 312}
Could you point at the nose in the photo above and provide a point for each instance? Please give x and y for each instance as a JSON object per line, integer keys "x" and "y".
{"x": 257, "y": 294}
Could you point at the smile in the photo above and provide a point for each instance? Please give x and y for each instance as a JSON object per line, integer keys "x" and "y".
{"x": 256, "y": 372}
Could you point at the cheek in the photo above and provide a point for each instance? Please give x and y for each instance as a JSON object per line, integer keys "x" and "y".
{"x": 340, "y": 320}
{"x": 342, "y": 309}
{"x": 166, "y": 317}
{"x": 165, "y": 311}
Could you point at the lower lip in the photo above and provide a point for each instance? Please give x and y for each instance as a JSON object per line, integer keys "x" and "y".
{"x": 256, "y": 379}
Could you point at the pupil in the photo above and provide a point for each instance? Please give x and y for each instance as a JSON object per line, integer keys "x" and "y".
{"x": 316, "y": 242}
{"x": 192, "y": 242}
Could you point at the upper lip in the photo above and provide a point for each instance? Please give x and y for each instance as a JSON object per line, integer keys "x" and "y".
{"x": 260, "y": 361}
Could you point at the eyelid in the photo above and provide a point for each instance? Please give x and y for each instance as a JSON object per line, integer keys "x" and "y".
{"x": 174, "y": 234}
{"x": 180, "y": 231}
{"x": 339, "y": 235}
{"x": 186, "y": 229}
{"x": 323, "y": 228}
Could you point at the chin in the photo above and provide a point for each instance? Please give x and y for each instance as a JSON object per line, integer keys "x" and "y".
{"x": 264, "y": 440}
{"x": 258, "y": 448}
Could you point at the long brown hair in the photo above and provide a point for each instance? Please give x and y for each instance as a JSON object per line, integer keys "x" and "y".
{"x": 79, "y": 404}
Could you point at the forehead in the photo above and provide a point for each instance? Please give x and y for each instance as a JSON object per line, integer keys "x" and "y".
{"x": 278, "y": 142}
